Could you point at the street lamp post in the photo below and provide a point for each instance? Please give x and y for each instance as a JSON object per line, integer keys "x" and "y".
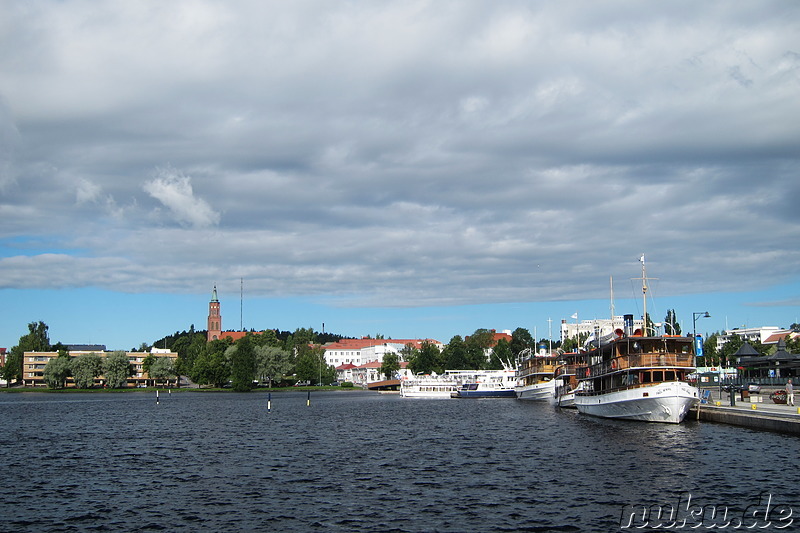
{"x": 695, "y": 316}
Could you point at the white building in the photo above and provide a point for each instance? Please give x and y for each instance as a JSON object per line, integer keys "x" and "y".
{"x": 759, "y": 334}
{"x": 359, "y": 352}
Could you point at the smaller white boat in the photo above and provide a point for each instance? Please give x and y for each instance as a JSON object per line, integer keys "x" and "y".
{"x": 428, "y": 386}
{"x": 488, "y": 384}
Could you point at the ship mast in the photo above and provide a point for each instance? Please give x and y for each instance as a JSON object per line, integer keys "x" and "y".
{"x": 644, "y": 298}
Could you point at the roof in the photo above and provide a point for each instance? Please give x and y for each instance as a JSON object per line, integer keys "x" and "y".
{"x": 360, "y": 344}
{"x": 236, "y": 335}
{"x": 781, "y": 354}
{"x": 775, "y": 337}
{"x": 746, "y": 350}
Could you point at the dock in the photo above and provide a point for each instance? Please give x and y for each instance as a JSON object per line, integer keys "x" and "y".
{"x": 756, "y": 412}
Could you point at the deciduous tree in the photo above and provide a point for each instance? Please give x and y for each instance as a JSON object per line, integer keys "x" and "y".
{"x": 57, "y": 371}
{"x": 161, "y": 369}
{"x": 85, "y": 368}
{"x": 390, "y": 365}
{"x": 272, "y": 363}
{"x": 117, "y": 369}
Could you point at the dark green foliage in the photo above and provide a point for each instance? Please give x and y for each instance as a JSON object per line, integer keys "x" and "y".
{"x": 521, "y": 339}
{"x": 243, "y": 364}
{"x": 478, "y": 345}
{"x": 502, "y": 356}
{"x": 390, "y": 365}
{"x": 36, "y": 340}
{"x": 454, "y": 355}
{"x": 671, "y": 324}
{"x": 426, "y": 360}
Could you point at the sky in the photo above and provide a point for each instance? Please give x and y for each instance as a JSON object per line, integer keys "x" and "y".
{"x": 414, "y": 169}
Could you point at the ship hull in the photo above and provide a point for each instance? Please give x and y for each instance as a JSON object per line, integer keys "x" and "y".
{"x": 667, "y": 402}
{"x": 538, "y": 392}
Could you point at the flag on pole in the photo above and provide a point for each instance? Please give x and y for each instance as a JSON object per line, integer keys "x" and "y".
{"x": 575, "y": 316}
{"x": 641, "y": 259}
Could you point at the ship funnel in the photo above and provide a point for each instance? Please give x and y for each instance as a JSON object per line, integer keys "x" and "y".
{"x": 628, "y": 324}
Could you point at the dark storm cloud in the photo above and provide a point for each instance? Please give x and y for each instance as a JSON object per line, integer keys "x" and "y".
{"x": 399, "y": 153}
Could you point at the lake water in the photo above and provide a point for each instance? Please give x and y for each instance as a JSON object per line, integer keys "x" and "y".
{"x": 361, "y": 461}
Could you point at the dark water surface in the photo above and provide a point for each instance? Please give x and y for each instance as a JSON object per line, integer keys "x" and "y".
{"x": 360, "y": 461}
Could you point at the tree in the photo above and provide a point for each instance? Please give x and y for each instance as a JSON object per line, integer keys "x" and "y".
{"x": 272, "y": 363}
{"x": 793, "y": 344}
{"x": 188, "y": 349}
{"x": 521, "y": 339}
{"x": 454, "y": 355}
{"x": 57, "y": 371}
{"x": 243, "y": 364}
{"x": 117, "y": 369}
{"x": 162, "y": 369}
{"x": 390, "y": 365}
{"x": 671, "y": 324}
{"x": 211, "y": 366}
{"x": 502, "y": 356}
{"x": 478, "y": 346}
{"x": 408, "y": 352}
{"x": 85, "y": 368}
{"x": 211, "y": 369}
{"x": 426, "y": 360}
{"x": 147, "y": 362}
{"x": 36, "y": 340}
{"x": 311, "y": 366}
{"x": 710, "y": 354}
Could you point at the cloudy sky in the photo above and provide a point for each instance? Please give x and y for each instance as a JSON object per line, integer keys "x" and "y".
{"x": 410, "y": 168}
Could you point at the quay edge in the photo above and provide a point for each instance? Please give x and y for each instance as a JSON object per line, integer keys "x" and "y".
{"x": 745, "y": 415}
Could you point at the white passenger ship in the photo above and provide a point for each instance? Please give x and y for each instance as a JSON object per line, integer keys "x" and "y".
{"x": 636, "y": 377}
{"x": 447, "y": 384}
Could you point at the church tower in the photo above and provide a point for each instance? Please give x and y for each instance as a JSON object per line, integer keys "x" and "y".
{"x": 214, "y": 318}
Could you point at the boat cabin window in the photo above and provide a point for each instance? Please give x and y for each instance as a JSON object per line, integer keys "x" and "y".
{"x": 658, "y": 375}
{"x": 645, "y": 377}
{"x": 669, "y": 375}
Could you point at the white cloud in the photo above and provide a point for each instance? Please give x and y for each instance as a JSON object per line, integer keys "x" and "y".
{"x": 402, "y": 151}
{"x": 174, "y": 190}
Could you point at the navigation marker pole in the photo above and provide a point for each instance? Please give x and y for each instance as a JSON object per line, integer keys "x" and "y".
{"x": 156, "y": 396}
{"x": 269, "y": 402}
{"x": 308, "y": 400}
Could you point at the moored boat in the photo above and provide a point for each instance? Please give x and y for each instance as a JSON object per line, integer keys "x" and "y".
{"x": 566, "y": 380}
{"x": 636, "y": 377}
{"x": 488, "y": 384}
{"x": 428, "y": 386}
{"x": 535, "y": 377}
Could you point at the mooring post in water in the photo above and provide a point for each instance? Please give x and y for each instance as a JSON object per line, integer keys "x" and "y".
{"x": 156, "y": 396}
{"x": 269, "y": 402}
{"x": 308, "y": 400}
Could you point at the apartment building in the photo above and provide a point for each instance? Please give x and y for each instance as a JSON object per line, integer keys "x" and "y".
{"x": 34, "y": 363}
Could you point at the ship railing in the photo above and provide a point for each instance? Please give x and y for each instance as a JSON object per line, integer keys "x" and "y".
{"x": 646, "y": 360}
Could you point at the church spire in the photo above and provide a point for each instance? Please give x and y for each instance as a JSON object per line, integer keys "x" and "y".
{"x": 214, "y": 317}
